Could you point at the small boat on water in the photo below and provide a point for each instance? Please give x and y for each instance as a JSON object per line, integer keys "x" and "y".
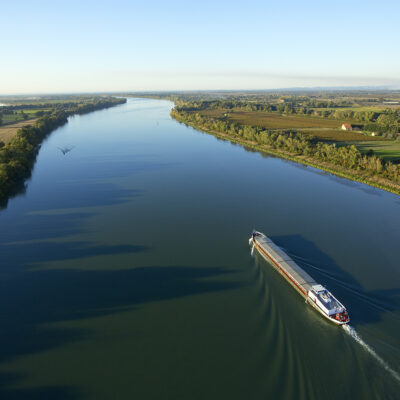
{"x": 314, "y": 293}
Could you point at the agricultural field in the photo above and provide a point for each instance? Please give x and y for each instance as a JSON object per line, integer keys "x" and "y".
{"x": 16, "y": 116}
{"x": 323, "y": 129}
{"x": 377, "y": 108}
{"x": 272, "y": 120}
{"x": 8, "y": 131}
{"x": 388, "y": 149}
{"x": 338, "y": 135}
{"x": 13, "y": 118}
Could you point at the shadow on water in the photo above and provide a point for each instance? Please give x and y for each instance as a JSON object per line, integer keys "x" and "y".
{"x": 365, "y": 306}
{"x": 85, "y": 193}
{"x": 78, "y": 195}
{"x": 41, "y": 393}
{"x": 19, "y": 189}
{"x": 31, "y": 298}
{"x": 61, "y": 220}
{"x": 68, "y": 192}
{"x": 42, "y": 227}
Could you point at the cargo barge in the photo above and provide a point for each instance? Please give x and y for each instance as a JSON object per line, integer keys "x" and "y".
{"x": 315, "y": 294}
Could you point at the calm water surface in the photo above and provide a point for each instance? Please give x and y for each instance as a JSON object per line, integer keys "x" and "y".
{"x": 126, "y": 273}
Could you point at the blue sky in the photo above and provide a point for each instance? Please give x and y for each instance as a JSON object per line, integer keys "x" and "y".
{"x": 84, "y": 46}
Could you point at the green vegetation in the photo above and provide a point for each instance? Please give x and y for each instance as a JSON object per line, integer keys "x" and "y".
{"x": 270, "y": 120}
{"x": 18, "y": 155}
{"x": 338, "y": 135}
{"x": 387, "y": 150}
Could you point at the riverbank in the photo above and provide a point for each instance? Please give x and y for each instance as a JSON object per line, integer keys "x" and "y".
{"x": 18, "y": 156}
{"x": 358, "y": 176}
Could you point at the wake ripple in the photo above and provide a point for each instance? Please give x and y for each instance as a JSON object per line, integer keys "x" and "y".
{"x": 353, "y": 333}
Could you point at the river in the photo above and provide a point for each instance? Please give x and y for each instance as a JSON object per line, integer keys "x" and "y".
{"x": 126, "y": 271}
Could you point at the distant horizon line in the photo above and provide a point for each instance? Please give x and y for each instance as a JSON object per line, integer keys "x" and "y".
{"x": 281, "y": 89}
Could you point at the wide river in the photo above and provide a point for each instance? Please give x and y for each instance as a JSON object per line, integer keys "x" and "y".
{"x": 126, "y": 271}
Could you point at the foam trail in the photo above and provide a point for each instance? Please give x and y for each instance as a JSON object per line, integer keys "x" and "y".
{"x": 353, "y": 333}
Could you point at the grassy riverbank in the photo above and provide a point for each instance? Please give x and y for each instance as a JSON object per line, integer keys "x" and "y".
{"x": 359, "y": 176}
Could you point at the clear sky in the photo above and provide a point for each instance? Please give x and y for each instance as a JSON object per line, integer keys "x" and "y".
{"x": 85, "y": 46}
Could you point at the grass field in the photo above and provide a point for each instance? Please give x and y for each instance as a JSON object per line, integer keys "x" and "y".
{"x": 8, "y": 131}
{"x": 13, "y": 118}
{"x": 338, "y": 135}
{"x": 388, "y": 150}
{"x": 355, "y": 108}
{"x": 35, "y": 110}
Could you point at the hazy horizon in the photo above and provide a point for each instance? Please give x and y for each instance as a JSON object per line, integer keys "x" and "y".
{"x": 277, "y": 89}
{"x": 126, "y": 46}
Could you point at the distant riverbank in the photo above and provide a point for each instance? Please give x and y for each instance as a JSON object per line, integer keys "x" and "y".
{"x": 359, "y": 176}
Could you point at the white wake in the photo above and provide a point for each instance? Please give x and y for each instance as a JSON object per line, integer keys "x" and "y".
{"x": 353, "y": 333}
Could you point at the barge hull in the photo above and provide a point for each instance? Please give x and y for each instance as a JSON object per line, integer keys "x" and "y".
{"x": 297, "y": 277}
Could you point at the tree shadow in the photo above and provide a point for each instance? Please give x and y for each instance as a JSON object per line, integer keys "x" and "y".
{"x": 42, "y": 227}
{"x": 43, "y": 393}
{"x": 87, "y": 192}
{"x": 32, "y": 298}
{"x": 79, "y": 195}
{"x": 18, "y": 189}
{"x": 364, "y": 306}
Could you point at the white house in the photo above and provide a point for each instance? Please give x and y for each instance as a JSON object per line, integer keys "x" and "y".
{"x": 347, "y": 127}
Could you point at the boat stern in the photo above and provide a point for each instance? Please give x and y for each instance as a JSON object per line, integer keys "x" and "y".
{"x": 328, "y": 305}
{"x": 341, "y": 318}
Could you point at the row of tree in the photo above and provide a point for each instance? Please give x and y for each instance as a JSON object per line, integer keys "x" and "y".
{"x": 297, "y": 144}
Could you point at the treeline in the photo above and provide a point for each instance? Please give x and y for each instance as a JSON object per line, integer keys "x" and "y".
{"x": 18, "y": 156}
{"x": 296, "y": 144}
{"x": 98, "y": 104}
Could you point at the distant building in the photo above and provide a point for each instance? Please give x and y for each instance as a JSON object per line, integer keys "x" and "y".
{"x": 373, "y": 134}
{"x": 347, "y": 127}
